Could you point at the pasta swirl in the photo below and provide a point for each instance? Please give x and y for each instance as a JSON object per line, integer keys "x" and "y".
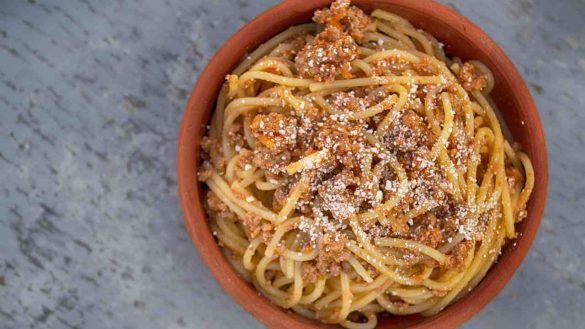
{"x": 352, "y": 168}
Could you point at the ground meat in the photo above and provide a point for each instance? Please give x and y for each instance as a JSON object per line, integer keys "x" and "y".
{"x": 471, "y": 78}
{"x": 428, "y": 186}
{"x": 236, "y": 135}
{"x": 276, "y": 135}
{"x": 275, "y": 131}
{"x": 416, "y": 124}
{"x": 424, "y": 67}
{"x": 220, "y": 209}
{"x": 457, "y": 256}
{"x": 309, "y": 272}
{"x": 308, "y": 127}
{"x": 348, "y": 102}
{"x": 338, "y": 197}
{"x": 254, "y": 226}
{"x": 267, "y": 231}
{"x": 408, "y": 133}
{"x": 350, "y": 19}
{"x": 343, "y": 138}
{"x": 376, "y": 230}
{"x": 328, "y": 56}
{"x": 447, "y": 219}
{"x": 380, "y": 67}
{"x": 368, "y": 189}
{"x": 331, "y": 253}
{"x": 397, "y": 225}
{"x": 427, "y": 230}
{"x": 417, "y": 160}
{"x": 271, "y": 163}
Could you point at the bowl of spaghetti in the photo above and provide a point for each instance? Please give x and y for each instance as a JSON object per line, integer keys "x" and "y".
{"x": 373, "y": 164}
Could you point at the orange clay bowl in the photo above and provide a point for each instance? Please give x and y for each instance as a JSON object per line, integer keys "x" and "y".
{"x": 461, "y": 38}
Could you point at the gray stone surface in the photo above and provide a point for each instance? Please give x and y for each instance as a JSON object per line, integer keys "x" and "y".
{"x": 91, "y": 95}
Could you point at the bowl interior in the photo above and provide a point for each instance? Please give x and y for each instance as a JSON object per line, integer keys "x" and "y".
{"x": 462, "y": 39}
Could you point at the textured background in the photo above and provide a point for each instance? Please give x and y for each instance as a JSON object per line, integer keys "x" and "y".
{"x": 91, "y": 95}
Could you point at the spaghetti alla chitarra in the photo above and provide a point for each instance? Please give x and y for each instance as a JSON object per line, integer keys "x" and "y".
{"x": 354, "y": 169}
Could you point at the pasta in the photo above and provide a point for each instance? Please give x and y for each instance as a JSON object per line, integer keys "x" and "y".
{"x": 353, "y": 169}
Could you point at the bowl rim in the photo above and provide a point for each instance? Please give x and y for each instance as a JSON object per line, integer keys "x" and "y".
{"x": 200, "y": 104}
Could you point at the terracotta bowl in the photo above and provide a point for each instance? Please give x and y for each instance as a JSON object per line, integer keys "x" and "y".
{"x": 461, "y": 38}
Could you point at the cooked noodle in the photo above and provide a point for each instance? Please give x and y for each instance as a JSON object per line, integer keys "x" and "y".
{"x": 406, "y": 216}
